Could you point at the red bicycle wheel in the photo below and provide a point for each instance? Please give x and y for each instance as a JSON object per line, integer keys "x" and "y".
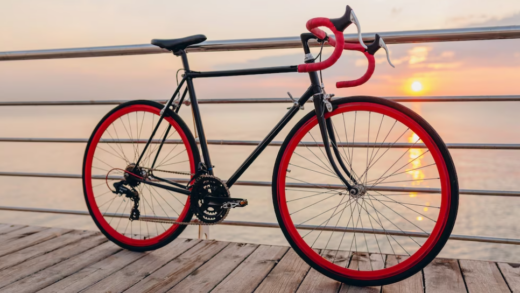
{"x": 116, "y": 144}
{"x": 406, "y": 212}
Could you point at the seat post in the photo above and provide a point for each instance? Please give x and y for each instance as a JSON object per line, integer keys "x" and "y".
{"x": 184, "y": 58}
{"x": 196, "y": 112}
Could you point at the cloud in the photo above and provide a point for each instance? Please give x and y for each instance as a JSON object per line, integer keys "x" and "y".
{"x": 444, "y": 65}
{"x": 397, "y": 10}
{"x": 513, "y": 19}
{"x": 448, "y": 54}
{"x": 464, "y": 20}
{"x": 418, "y": 54}
{"x": 483, "y": 20}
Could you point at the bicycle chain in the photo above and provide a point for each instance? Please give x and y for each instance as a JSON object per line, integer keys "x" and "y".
{"x": 198, "y": 223}
{"x": 166, "y": 171}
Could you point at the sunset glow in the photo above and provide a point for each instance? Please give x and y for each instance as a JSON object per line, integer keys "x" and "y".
{"x": 417, "y": 86}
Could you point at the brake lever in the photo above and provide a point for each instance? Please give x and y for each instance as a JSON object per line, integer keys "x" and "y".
{"x": 376, "y": 45}
{"x": 354, "y": 19}
{"x": 383, "y": 45}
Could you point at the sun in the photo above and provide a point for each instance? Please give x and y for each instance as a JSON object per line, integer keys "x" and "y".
{"x": 417, "y": 86}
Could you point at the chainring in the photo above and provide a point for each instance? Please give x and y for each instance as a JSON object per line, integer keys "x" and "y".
{"x": 205, "y": 187}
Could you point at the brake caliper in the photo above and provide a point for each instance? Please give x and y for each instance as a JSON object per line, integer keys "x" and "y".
{"x": 326, "y": 100}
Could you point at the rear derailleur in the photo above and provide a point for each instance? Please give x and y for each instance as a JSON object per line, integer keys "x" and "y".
{"x": 130, "y": 193}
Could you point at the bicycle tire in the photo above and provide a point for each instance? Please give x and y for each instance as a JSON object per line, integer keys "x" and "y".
{"x": 140, "y": 111}
{"x": 411, "y": 264}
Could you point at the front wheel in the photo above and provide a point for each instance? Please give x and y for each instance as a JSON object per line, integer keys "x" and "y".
{"x": 407, "y": 202}
{"x": 113, "y": 149}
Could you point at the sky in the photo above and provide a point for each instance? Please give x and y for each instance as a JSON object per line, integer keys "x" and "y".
{"x": 453, "y": 68}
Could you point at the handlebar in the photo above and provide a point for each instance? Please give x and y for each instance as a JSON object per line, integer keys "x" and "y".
{"x": 371, "y": 64}
{"x": 337, "y": 26}
{"x": 312, "y": 26}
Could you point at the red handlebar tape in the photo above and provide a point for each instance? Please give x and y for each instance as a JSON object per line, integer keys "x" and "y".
{"x": 370, "y": 69}
{"x": 312, "y": 26}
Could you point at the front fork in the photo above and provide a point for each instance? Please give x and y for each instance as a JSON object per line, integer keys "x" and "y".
{"x": 327, "y": 129}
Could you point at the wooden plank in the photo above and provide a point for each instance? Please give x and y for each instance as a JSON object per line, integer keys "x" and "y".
{"x": 319, "y": 283}
{"x": 21, "y": 243}
{"x": 6, "y": 228}
{"x": 365, "y": 262}
{"x": 43, "y": 248}
{"x": 211, "y": 273}
{"x": 176, "y": 270}
{"x": 286, "y": 276}
{"x": 251, "y": 272}
{"x": 61, "y": 270}
{"x": 444, "y": 276}
{"x": 5, "y": 239}
{"x": 31, "y": 266}
{"x": 145, "y": 266}
{"x": 511, "y": 272}
{"x": 482, "y": 276}
{"x": 95, "y": 272}
{"x": 413, "y": 284}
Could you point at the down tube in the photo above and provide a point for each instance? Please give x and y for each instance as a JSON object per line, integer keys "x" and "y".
{"x": 260, "y": 148}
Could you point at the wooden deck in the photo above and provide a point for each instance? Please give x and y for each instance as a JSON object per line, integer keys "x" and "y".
{"x": 62, "y": 260}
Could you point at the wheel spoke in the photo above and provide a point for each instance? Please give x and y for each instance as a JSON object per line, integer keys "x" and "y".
{"x": 314, "y": 163}
{"x": 409, "y": 170}
{"x": 313, "y": 195}
{"x": 311, "y": 170}
{"x": 406, "y": 207}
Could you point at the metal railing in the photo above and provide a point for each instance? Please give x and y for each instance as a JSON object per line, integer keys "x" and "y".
{"x": 402, "y": 37}
{"x": 464, "y": 146}
{"x": 268, "y": 184}
{"x": 490, "y": 33}
{"x": 500, "y": 240}
{"x": 421, "y": 99}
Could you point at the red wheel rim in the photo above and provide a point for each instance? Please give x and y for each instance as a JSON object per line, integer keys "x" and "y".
{"x": 401, "y": 267}
{"x": 88, "y": 180}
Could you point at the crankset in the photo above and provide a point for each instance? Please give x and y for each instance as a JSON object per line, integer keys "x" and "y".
{"x": 210, "y": 199}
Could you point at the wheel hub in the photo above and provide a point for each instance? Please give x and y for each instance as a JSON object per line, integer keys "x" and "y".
{"x": 133, "y": 174}
{"x": 357, "y": 191}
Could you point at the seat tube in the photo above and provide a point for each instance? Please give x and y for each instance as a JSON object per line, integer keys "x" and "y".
{"x": 196, "y": 115}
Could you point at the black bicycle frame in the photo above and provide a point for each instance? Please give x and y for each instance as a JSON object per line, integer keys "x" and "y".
{"x": 314, "y": 90}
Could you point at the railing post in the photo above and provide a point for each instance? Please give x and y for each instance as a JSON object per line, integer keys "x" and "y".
{"x": 204, "y": 232}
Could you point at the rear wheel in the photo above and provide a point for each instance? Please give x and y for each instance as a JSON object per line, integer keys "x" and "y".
{"x": 113, "y": 148}
{"x": 405, "y": 211}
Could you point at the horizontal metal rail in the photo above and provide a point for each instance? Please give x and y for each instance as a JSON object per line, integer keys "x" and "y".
{"x": 466, "y": 146}
{"x": 288, "y": 184}
{"x": 401, "y": 37}
{"x": 275, "y": 225}
{"x": 487, "y": 98}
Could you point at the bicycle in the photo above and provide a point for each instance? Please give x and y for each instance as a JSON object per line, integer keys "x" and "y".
{"x": 326, "y": 188}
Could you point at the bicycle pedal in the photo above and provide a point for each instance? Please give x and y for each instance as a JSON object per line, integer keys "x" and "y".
{"x": 235, "y": 203}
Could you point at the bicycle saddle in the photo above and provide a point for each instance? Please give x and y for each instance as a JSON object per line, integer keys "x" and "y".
{"x": 179, "y": 44}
